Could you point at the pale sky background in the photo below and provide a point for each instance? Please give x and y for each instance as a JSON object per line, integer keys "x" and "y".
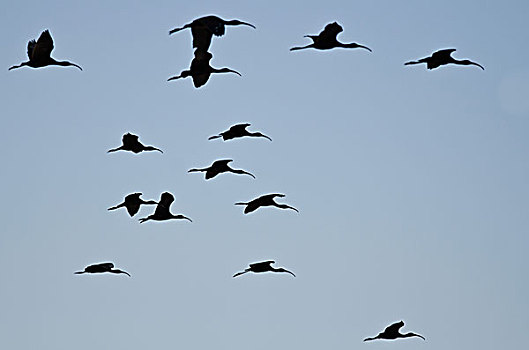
{"x": 412, "y": 185}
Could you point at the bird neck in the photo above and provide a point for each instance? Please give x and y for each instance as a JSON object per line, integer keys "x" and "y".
{"x": 63, "y": 63}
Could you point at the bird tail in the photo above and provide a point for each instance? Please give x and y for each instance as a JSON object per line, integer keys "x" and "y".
{"x": 116, "y": 207}
{"x": 214, "y": 137}
{"x": 368, "y": 339}
{"x": 411, "y": 62}
{"x": 241, "y": 203}
{"x": 142, "y": 220}
{"x": 79, "y": 272}
{"x": 301, "y": 47}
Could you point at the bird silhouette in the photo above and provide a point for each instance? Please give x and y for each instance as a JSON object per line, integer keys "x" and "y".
{"x": 101, "y": 268}
{"x": 327, "y": 39}
{"x": 264, "y": 266}
{"x": 236, "y": 131}
{"x": 162, "y": 212}
{"x": 132, "y": 202}
{"x": 200, "y": 69}
{"x": 263, "y": 201}
{"x": 130, "y": 143}
{"x": 202, "y": 29}
{"x": 392, "y": 332}
{"x": 218, "y": 167}
{"x": 442, "y": 57}
{"x": 39, "y": 54}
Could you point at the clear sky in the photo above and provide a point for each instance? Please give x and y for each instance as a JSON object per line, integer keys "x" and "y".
{"x": 412, "y": 185}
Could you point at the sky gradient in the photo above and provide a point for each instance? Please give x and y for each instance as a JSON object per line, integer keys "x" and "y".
{"x": 411, "y": 184}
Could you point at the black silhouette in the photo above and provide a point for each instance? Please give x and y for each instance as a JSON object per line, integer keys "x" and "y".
{"x": 327, "y": 39}
{"x": 392, "y": 332}
{"x": 264, "y": 266}
{"x": 442, "y": 57}
{"x": 238, "y": 130}
{"x": 263, "y": 201}
{"x": 218, "y": 167}
{"x": 132, "y": 203}
{"x": 130, "y": 143}
{"x": 39, "y": 53}
{"x": 202, "y": 29}
{"x": 101, "y": 268}
{"x": 162, "y": 212}
{"x": 200, "y": 69}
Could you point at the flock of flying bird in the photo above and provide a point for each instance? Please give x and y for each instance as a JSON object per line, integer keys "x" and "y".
{"x": 202, "y": 31}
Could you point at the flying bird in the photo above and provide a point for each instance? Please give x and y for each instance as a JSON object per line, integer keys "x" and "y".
{"x": 162, "y": 212}
{"x": 130, "y": 143}
{"x": 101, "y": 268}
{"x": 218, "y": 167}
{"x": 327, "y": 39}
{"x": 236, "y": 131}
{"x": 442, "y": 57}
{"x": 263, "y": 201}
{"x": 264, "y": 266}
{"x": 200, "y": 69}
{"x": 202, "y": 29}
{"x": 392, "y": 332}
{"x": 39, "y": 53}
{"x": 132, "y": 202}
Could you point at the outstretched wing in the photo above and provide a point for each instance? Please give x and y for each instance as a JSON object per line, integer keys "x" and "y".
{"x": 31, "y": 46}
{"x": 262, "y": 264}
{"x": 201, "y": 37}
{"x": 129, "y": 138}
{"x": 331, "y": 31}
{"x": 214, "y": 24}
{"x": 43, "y": 47}
{"x": 165, "y": 202}
{"x": 442, "y": 54}
{"x": 394, "y": 328}
{"x": 239, "y": 128}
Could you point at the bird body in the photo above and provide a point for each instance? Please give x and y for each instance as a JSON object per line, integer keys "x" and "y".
{"x": 263, "y": 201}
{"x": 218, "y": 167}
{"x": 200, "y": 69}
{"x": 131, "y": 143}
{"x": 327, "y": 40}
{"x": 263, "y": 266}
{"x": 203, "y": 29}
{"x": 162, "y": 213}
{"x": 393, "y": 332}
{"x": 442, "y": 57}
{"x": 101, "y": 268}
{"x": 132, "y": 202}
{"x": 236, "y": 131}
{"x": 39, "y": 53}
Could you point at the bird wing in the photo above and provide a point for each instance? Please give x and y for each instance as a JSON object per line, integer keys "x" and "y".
{"x": 394, "y": 328}
{"x": 239, "y": 128}
{"x": 212, "y": 172}
{"x": 214, "y": 24}
{"x": 133, "y": 208}
{"x": 105, "y": 266}
{"x": 165, "y": 202}
{"x": 201, "y": 37}
{"x": 200, "y": 79}
{"x": 129, "y": 138}
{"x": 31, "y": 46}
{"x": 262, "y": 264}
{"x": 331, "y": 31}
{"x": 442, "y": 54}
{"x": 43, "y": 47}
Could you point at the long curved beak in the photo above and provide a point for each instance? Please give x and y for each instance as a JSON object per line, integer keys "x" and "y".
{"x": 365, "y": 47}
{"x": 75, "y": 65}
{"x": 234, "y": 71}
{"x": 248, "y": 24}
{"x": 477, "y": 64}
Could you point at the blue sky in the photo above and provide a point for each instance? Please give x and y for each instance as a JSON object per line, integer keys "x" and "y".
{"x": 411, "y": 184}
